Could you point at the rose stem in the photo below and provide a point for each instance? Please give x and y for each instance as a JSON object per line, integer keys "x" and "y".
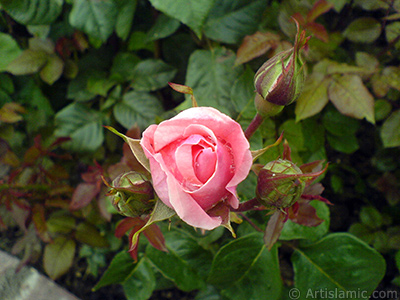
{"x": 248, "y": 205}
{"x": 250, "y": 222}
{"x": 255, "y": 123}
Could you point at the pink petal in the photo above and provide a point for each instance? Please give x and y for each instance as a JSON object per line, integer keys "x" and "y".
{"x": 188, "y": 209}
{"x": 214, "y": 190}
{"x": 204, "y": 164}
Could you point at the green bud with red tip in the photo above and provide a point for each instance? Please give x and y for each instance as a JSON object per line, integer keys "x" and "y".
{"x": 280, "y": 80}
{"x": 279, "y": 184}
{"x": 133, "y": 195}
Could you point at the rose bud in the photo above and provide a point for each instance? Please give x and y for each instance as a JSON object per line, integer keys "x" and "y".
{"x": 281, "y": 79}
{"x": 279, "y": 184}
{"x": 133, "y": 195}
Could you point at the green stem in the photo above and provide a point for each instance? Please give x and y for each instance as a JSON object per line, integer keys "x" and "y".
{"x": 253, "y": 126}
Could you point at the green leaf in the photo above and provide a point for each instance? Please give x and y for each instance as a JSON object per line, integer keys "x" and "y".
{"x": 294, "y": 134}
{"x": 141, "y": 282}
{"x": 344, "y": 143}
{"x": 137, "y": 108}
{"x": 52, "y": 70}
{"x": 99, "y": 84}
{"x": 176, "y": 269}
{"x": 314, "y": 133}
{"x": 242, "y": 95}
{"x": 211, "y": 74}
{"x": 123, "y": 66}
{"x": 138, "y": 41}
{"x": 362, "y": 232}
{"x": 33, "y": 12}
{"x": 126, "y": 11}
{"x": 190, "y": 12}
{"x": 9, "y": 50}
{"x": 230, "y": 20}
{"x": 352, "y": 98}
{"x": 338, "y": 124}
{"x": 397, "y": 258}
{"x": 164, "y": 26}
{"x": 77, "y": 88}
{"x": 245, "y": 269}
{"x": 390, "y": 133}
{"x": 188, "y": 248}
{"x": 29, "y": 62}
{"x": 339, "y": 262}
{"x": 363, "y": 30}
{"x": 382, "y": 109}
{"x": 82, "y": 125}
{"x": 88, "y": 234}
{"x": 372, "y": 4}
{"x": 313, "y": 98}
{"x": 262, "y": 281}
{"x": 392, "y": 31}
{"x": 96, "y": 18}
{"x": 59, "y": 222}
{"x": 292, "y": 231}
{"x": 371, "y": 217}
{"x": 118, "y": 271}
{"x": 391, "y": 76}
{"x": 152, "y": 74}
{"x": 58, "y": 257}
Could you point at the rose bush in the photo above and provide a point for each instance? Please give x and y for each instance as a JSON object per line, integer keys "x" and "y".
{"x": 197, "y": 159}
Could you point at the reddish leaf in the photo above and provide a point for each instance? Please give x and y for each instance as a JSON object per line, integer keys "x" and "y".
{"x": 320, "y": 7}
{"x": 299, "y": 18}
{"x": 222, "y": 210}
{"x": 180, "y": 88}
{"x": 39, "y": 220}
{"x": 119, "y": 168}
{"x": 59, "y": 141}
{"x": 93, "y": 174}
{"x": 314, "y": 189}
{"x": 256, "y": 45}
{"x": 155, "y": 237}
{"x": 274, "y": 228}
{"x": 314, "y": 166}
{"x": 83, "y": 195}
{"x": 318, "y": 30}
{"x": 31, "y": 155}
{"x": 133, "y": 249}
{"x": 128, "y": 223}
{"x": 3, "y": 226}
{"x": 306, "y": 215}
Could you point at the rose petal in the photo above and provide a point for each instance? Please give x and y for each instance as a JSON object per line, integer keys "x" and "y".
{"x": 214, "y": 189}
{"x": 188, "y": 209}
{"x": 184, "y": 161}
{"x": 204, "y": 164}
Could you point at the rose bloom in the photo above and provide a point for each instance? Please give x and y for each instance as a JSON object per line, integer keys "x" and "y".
{"x": 197, "y": 159}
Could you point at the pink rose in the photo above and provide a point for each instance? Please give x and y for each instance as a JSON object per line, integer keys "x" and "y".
{"x": 197, "y": 159}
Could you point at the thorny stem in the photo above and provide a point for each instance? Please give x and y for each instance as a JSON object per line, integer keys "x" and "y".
{"x": 252, "y": 204}
{"x": 253, "y": 126}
